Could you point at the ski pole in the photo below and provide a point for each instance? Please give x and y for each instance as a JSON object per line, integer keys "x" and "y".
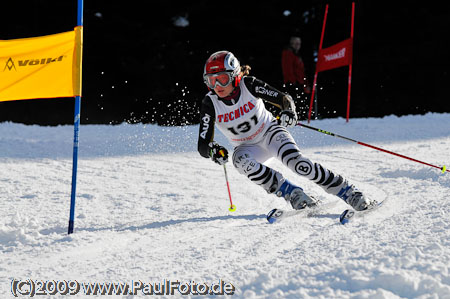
{"x": 443, "y": 168}
{"x": 232, "y": 207}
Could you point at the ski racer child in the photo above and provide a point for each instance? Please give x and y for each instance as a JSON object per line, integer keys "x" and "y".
{"x": 235, "y": 105}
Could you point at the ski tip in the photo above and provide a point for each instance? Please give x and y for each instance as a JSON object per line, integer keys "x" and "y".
{"x": 344, "y": 221}
{"x": 345, "y": 216}
{"x": 271, "y": 219}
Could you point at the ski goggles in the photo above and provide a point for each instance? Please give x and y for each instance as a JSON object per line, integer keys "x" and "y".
{"x": 221, "y": 79}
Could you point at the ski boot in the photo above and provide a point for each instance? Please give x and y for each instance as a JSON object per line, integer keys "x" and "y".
{"x": 355, "y": 198}
{"x": 295, "y": 196}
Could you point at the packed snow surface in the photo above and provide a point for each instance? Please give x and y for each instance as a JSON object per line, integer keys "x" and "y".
{"x": 150, "y": 209}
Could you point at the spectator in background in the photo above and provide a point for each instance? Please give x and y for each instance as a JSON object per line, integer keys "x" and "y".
{"x": 294, "y": 77}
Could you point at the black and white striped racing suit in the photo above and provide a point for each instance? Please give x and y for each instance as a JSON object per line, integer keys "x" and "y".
{"x": 255, "y": 132}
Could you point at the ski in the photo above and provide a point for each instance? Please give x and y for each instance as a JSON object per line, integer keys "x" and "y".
{"x": 349, "y": 214}
{"x": 278, "y": 215}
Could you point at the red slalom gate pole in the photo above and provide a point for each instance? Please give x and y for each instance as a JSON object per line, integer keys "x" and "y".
{"x": 443, "y": 168}
{"x": 351, "y": 63}
{"x": 311, "y": 102}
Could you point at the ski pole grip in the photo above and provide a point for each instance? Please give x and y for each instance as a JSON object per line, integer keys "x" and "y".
{"x": 222, "y": 153}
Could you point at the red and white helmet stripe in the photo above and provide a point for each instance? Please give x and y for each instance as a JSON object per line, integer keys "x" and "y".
{"x": 222, "y": 61}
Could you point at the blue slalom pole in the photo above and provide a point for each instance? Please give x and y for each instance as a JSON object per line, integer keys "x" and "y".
{"x": 75, "y": 163}
{"x": 75, "y": 138}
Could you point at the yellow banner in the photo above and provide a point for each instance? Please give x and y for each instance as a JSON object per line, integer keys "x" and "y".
{"x": 41, "y": 67}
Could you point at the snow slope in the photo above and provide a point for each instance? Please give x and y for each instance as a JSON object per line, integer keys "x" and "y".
{"x": 150, "y": 209}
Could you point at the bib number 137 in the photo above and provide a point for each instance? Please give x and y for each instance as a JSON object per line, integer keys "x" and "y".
{"x": 244, "y": 127}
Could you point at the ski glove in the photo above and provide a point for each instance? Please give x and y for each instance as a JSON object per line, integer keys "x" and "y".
{"x": 288, "y": 118}
{"x": 218, "y": 153}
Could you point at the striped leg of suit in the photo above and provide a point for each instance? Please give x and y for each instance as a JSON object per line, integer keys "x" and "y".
{"x": 246, "y": 160}
{"x": 281, "y": 145}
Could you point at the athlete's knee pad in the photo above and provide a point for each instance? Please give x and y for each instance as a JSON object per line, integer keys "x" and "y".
{"x": 322, "y": 176}
{"x": 243, "y": 161}
{"x": 258, "y": 173}
{"x": 302, "y": 166}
